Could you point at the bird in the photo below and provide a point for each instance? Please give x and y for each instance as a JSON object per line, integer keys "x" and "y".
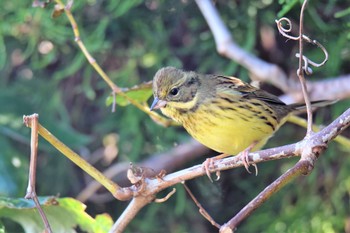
{"x": 223, "y": 113}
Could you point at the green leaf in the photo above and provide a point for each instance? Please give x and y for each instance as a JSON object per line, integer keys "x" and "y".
{"x": 140, "y": 93}
{"x": 342, "y": 13}
{"x": 287, "y": 6}
{"x": 64, "y": 215}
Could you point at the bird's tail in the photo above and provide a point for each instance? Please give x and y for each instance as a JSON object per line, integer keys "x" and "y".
{"x": 301, "y": 107}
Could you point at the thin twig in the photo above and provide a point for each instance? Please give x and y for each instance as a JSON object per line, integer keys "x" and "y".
{"x": 32, "y": 121}
{"x": 115, "y": 88}
{"x": 115, "y": 189}
{"x": 202, "y": 211}
{"x": 301, "y": 71}
{"x": 164, "y": 199}
{"x": 267, "y": 72}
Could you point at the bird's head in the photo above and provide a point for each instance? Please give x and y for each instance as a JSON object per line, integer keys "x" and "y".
{"x": 174, "y": 88}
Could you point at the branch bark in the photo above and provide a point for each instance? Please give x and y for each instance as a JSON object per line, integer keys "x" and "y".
{"x": 168, "y": 161}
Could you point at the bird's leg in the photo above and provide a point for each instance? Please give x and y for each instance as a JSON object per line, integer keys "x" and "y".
{"x": 245, "y": 159}
{"x": 209, "y": 162}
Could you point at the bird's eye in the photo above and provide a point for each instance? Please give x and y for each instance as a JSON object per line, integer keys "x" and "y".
{"x": 174, "y": 91}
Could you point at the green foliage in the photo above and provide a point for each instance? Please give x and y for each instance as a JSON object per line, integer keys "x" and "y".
{"x": 64, "y": 215}
{"x": 42, "y": 70}
{"x": 140, "y": 93}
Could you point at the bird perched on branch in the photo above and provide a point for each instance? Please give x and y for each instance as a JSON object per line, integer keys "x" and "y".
{"x": 221, "y": 112}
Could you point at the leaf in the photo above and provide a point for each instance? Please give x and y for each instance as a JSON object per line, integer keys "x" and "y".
{"x": 140, "y": 93}
{"x": 287, "y": 6}
{"x": 64, "y": 215}
{"x": 342, "y": 13}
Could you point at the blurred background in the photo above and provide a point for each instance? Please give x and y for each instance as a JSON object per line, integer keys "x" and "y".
{"x": 43, "y": 71}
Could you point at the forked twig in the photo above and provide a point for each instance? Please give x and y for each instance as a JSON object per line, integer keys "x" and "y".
{"x": 202, "y": 211}
{"x": 303, "y": 60}
{"x": 117, "y": 191}
{"x": 301, "y": 71}
{"x": 32, "y": 121}
{"x": 285, "y": 30}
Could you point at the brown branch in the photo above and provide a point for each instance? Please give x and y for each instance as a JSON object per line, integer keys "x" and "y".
{"x": 331, "y": 88}
{"x": 32, "y": 122}
{"x": 301, "y": 72}
{"x": 298, "y": 169}
{"x": 227, "y": 47}
{"x": 130, "y": 212}
{"x": 145, "y": 191}
{"x": 168, "y": 161}
{"x": 118, "y": 192}
{"x": 202, "y": 211}
{"x": 309, "y": 149}
{"x": 114, "y": 87}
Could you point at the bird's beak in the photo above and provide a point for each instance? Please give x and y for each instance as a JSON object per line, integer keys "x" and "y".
{"x": 157, "y": 103}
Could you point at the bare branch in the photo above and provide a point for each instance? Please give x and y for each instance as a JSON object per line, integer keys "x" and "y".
{"x": 202, "y": 211}
{"x": 267, "y": 72}
{"x": 309, "y": 149}
{"x": 287, "y": 151}
{"x": 298, "y": 169}
{"x": 146, "y": 194}
{"x": 168, "y": 161}
{"x": 301, "y": 71}
{"x": 227, "y": 47}
{"x": 332, "y": 88}
{"x": 130, "y": 212}
{"x": 32, "y": 122}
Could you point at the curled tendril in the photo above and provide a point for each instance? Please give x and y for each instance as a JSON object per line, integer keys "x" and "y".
{"x": 285, "y": 30}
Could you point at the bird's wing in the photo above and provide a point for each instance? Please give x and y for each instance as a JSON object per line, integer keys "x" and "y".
{"x": 237, "y": 87}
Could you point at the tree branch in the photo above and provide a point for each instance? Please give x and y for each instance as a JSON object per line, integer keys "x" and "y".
{"x": 130, "y": 212}
{"x": 267, "y": 72}
{"x": 227, "y": 47}
{"x": 309, "y": 149}
{"x": 168, "y": 161}
{"x": 298, "y": 169}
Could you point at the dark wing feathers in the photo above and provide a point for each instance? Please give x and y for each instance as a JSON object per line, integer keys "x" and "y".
{"x": 248, "y": 91}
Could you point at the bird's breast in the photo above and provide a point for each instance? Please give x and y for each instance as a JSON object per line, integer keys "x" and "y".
{"x": 228, "y": 127}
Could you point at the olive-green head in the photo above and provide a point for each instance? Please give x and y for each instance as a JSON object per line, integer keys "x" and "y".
{"x": 173, "y": 87}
